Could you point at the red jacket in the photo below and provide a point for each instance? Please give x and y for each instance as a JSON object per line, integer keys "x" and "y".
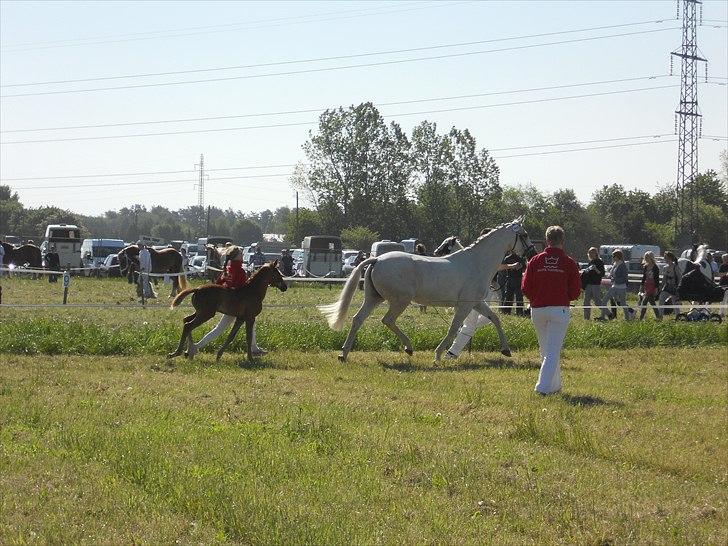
{"x": 551, "y": 278}
{"x": 234, "y": 275}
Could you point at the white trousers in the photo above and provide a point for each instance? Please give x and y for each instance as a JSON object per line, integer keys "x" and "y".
{"x": 551, "y": 324}
{"x": 225, "y": 321}
{"x": 471, "y": 323}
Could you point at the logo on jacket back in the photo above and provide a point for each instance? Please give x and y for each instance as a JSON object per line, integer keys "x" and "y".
{"x": 551, "y": 264}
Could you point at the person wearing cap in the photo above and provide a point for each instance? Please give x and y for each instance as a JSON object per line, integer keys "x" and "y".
{"x": 234, "y": 276}
{"x": 550, "y": 282}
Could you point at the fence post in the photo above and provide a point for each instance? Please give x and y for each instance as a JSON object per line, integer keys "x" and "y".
{"x": 66, "y": 283}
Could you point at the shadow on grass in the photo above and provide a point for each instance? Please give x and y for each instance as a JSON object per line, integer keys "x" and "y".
{"x": 461, "y": 365}
{"x": 586, "y": 400}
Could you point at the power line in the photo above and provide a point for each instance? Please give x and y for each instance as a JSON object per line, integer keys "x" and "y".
{"x": 185, "y": 180}
{"x": 315, "y": 110}
{"x": 308, "y": 123}
{"x": 332, "y": 58}
{"x": 526, "y": 147}
{"x": 336, "y": 68}
{"x": 144, "y": 173}
{"x": 585, "y": 149}
{"x": 283, "y": 21}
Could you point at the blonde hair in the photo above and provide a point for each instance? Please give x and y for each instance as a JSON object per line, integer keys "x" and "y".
{"x": 617, "y": 254}
{"x": 232, "y": 252}
{"x": 555, "y": 235}
{"x": 649, "y": 258}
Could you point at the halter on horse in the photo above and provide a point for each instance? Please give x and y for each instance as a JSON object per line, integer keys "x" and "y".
{"x": 459, "y": 280}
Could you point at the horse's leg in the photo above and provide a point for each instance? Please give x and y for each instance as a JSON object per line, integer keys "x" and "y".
{"x": 231, "y": 336}
{"x": 190, "y": 323}
{"x": 249, "y": 330}
{"x": 461, "y": 312}
{"x": 485, "y": 310}
{"x": 175, "y": 286}
{"x": 389, "y": 318}
{"x": 370, "y": 302}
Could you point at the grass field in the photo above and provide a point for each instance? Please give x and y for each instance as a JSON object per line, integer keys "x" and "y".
{"x": 105, "y": 441}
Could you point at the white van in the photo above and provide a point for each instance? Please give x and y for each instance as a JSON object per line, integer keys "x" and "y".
{"x": 95, "y": 251}
{"x": 66, "y": 238}
{"x": 632, "y": 254}
{"x": 384, "y": 246}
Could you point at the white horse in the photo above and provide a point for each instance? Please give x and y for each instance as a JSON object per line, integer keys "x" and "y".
{"x": 701, "y": 261}
{"x": 460, "y": 280}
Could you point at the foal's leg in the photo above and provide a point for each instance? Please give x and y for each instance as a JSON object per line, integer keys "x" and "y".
{"x": 175, "y": 286}
{"x": 190, "y": 323}
{"x": 249, "y": 330}
{"x": 485, "y": 310}
{"x": 389, "y": 318}
{"x": 231, "y": 336}
{"x": 457, "y": 321}
{"x": 370, "y": 302}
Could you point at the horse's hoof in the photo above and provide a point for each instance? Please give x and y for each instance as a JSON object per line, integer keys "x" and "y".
{"x": 506, "y": 352}
{"x": 341, "y": 358}
{"x": 172, "y": 355}
{"x": 409, "y": 351}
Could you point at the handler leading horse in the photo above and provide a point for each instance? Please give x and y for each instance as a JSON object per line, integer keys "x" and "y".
{"x": 167, "y": 260}
{"x": 459, "y": 280}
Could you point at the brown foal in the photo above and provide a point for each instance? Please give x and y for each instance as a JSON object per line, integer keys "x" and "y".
{"x": 245, "y": 303}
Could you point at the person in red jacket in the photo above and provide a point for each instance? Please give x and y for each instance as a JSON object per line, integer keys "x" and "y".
{"x": 551, "y": 281}
{"x": 233, "y": 277}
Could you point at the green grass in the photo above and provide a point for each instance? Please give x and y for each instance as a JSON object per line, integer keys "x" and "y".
{"x": 300, "y": 449}
{"x": 103, "y": 440}
{"x": 289, "y": 321}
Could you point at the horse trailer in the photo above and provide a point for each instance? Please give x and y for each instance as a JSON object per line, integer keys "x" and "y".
{"x": 321, "y": 256}
{"x": 632, "y": 254}
{"x": 66, "y": 238}
{"x": 384, "y": 246}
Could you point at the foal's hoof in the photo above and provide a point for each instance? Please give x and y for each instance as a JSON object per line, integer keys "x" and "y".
{"x": 341, "y": 358}
{"x": 409, "y": 351}
{"x": 506, "y": 352}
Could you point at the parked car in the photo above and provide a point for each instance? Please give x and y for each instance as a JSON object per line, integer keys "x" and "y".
{"x": 347, "y": 253}
{"x": 197, "y": 265}
{"x": 348, "y": 266}
{"x": 110, "y": 266}
{"x": 297, "y": 255}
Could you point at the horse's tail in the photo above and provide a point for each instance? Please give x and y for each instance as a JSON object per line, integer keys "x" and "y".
{"x": 335, "y": 313}
{"x": 182, "y": 278}
{"x": 182, "y": 295}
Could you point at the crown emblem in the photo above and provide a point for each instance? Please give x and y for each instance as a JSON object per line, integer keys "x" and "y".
{"x": 552, "y": 260}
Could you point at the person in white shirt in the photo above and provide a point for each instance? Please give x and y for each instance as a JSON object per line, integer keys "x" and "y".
{"x": 145, "y": 267}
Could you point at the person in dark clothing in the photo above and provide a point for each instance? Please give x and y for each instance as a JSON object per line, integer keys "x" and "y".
{"x": 420, "y": 249}
{"x": 649, "y": 288}
{"x": 53, "y": 262}
{"x": 515, "y": 266}
{"x": 287, "y": 263}
{"x": 592, "y": 282}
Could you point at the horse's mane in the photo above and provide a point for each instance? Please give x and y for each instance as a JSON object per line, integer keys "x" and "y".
{"x": 254, "y": 278}
{"x": 484, "y": 236}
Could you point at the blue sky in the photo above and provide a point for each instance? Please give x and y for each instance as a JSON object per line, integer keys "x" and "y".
{"x": 52, "y": 41}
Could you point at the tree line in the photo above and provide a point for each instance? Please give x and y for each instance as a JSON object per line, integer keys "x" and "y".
{"x": 367, "y": 180}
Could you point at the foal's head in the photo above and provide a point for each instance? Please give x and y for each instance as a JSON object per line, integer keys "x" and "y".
{"x": 274, "y": 278}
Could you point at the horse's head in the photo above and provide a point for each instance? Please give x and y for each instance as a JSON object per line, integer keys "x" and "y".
{"x": 447, "y": 246}
{"x": 276, "y": 279}
{"x": 522, "y": 240}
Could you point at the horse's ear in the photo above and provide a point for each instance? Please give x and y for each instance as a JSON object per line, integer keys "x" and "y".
{"x": 275, "y": 262}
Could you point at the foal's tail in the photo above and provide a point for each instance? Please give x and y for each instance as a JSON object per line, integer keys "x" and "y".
{"x": 182, "y": 295}
{"x": 335, "y": 313}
